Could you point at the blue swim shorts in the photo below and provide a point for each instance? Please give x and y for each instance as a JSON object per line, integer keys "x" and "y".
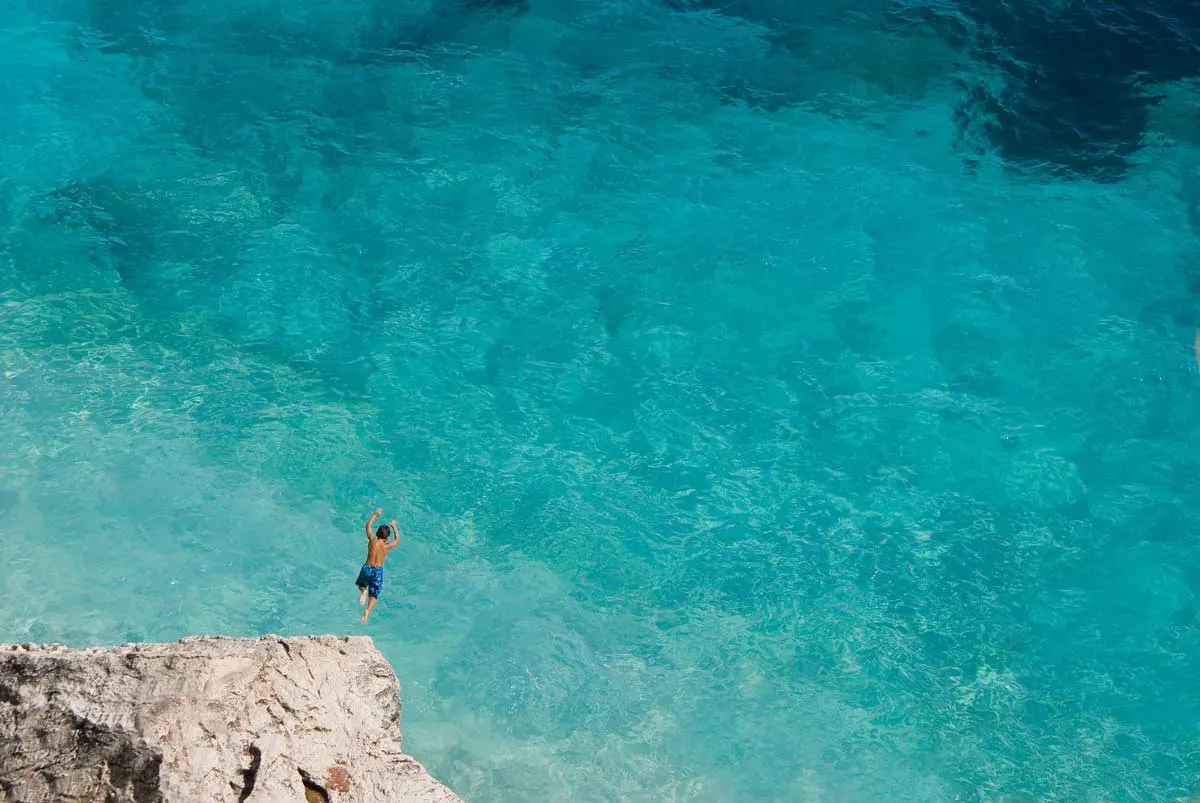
{"x": 370, "y": 578}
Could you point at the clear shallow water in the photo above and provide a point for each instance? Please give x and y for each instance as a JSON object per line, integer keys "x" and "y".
{"x": 744, "y": 452}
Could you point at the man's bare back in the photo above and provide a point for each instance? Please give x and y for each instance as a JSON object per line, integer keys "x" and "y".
{"x": 377, "y": 551}
{"x": 370, "y": 577}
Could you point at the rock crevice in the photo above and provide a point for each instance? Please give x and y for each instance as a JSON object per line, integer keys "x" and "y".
{"x": 244, "y": 720}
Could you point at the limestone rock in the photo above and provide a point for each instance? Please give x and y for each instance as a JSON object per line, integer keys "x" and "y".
{"x": 206, "y": 719}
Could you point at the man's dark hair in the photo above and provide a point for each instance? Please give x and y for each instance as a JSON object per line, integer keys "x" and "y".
{"x": 384, "y": 532}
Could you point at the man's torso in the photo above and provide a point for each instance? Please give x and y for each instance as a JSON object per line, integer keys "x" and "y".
{"x": 376, "y": 552}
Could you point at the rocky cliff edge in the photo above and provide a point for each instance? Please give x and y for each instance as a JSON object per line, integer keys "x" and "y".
{"x": 264, "y": 720}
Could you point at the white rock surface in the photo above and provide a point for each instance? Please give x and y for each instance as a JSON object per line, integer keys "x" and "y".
{"x": 206, "y": 719}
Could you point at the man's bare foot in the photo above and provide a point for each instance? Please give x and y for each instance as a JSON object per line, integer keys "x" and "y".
{"x": 365, "y": 615}
{"x": 362, "y": 598}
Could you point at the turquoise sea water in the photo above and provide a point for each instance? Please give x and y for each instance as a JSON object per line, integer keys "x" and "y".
{"x": 749, "y": 443}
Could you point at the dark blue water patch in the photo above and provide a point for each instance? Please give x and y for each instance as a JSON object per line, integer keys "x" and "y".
{"x": 445, "y": 26}
{"x": 126, "y": 225}
{"x": 133, "y": 27}
{"x": 1077, "y": 77}
{"x": 1077, "y": 86}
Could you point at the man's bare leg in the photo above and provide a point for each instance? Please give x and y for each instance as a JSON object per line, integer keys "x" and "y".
{"x": 362, "y": 596}
{"x": 367, "y": 612}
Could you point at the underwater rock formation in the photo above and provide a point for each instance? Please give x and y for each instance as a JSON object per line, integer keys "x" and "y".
{"x": 1078, "y": 77}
